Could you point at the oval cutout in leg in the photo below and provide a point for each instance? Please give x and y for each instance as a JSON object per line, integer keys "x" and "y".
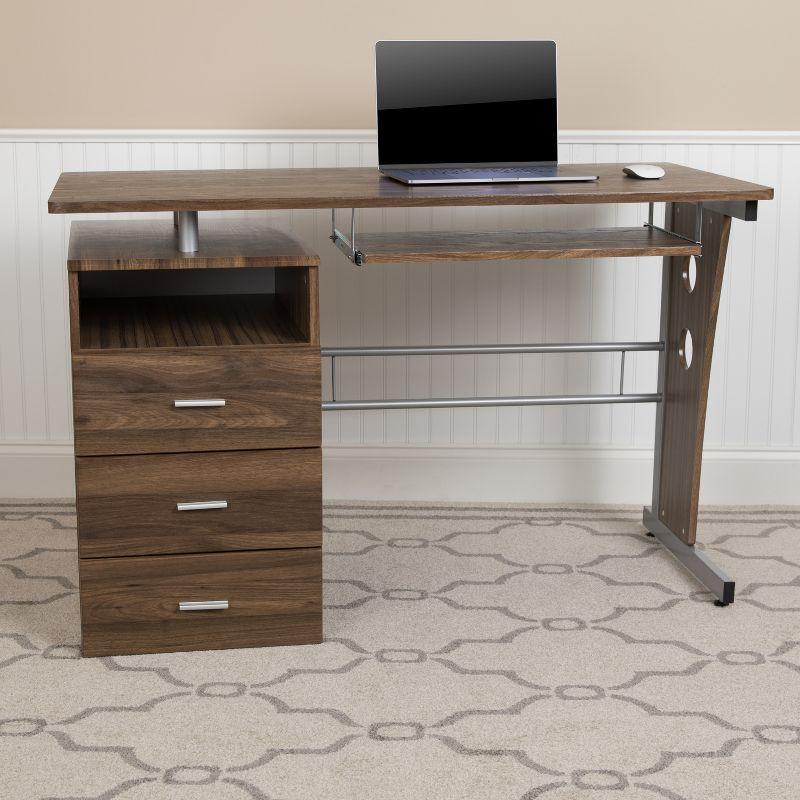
{"x": 685, "y": 348}
{"x": 689, "y": 274}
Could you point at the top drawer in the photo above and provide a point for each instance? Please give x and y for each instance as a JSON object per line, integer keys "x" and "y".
{"x": 141, "y": 402}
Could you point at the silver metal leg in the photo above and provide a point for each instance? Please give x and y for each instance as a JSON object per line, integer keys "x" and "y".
{"x": 696, "y": 561}
{"x": 188, "y": 231}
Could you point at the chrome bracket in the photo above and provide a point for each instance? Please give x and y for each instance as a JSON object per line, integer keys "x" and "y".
{"x": 698, "y": 226}
{"x": 346, "y": 244}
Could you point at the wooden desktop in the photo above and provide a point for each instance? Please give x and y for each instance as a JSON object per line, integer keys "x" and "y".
{"x": 197, "y": 392}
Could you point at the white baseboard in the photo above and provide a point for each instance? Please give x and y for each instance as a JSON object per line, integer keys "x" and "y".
{"x": 544, "y": 475}
{"x": 36, "y": 469}
{"x": 474, "y": 474}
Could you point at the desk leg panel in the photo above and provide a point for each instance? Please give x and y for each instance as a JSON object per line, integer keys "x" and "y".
{"x": 681, "y": 417}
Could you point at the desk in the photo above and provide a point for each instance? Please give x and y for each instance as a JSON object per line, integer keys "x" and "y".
{"x": 140, "y": 340}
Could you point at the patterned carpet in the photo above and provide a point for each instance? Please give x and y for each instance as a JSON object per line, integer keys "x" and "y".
{"x": 496, "y": 653}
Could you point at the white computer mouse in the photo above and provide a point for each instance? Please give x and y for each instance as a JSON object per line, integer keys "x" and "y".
{"x": 644, "y": 171}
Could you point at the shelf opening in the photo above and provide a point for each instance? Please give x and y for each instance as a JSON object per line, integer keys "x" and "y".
{"x": 144, "y": 309}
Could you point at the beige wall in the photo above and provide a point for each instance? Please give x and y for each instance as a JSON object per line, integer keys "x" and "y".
{"x": 624, "y": 64}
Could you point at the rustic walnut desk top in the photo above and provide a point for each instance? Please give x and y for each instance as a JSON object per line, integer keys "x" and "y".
{"x": 251, "y": 189}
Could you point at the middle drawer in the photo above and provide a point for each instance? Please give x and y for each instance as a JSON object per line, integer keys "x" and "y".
{"x": 129, "y": 505}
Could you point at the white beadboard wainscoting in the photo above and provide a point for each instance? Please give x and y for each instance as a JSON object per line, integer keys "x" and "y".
{"x": 597, "y": 453}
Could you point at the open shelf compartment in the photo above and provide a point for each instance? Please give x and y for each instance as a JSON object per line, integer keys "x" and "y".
{"x": 144, "y": 309}
{"x": 183, "y": 321}
{"x": 247, "y": 285}
{"x": 385, "y": 248}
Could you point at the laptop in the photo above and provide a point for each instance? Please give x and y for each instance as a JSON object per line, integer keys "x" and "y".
{"x": 468, "y": 112}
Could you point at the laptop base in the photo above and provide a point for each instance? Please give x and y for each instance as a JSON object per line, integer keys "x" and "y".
{"x": 444, "y": 175}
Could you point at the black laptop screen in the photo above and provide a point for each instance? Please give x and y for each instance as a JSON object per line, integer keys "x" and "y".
{"x": 466, "y": 102}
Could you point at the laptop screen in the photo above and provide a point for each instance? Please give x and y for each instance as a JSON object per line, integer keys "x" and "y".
{"x": 466, "y": 102}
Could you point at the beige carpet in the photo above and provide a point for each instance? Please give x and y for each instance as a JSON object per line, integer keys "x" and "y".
{"x": 471, "y": 652}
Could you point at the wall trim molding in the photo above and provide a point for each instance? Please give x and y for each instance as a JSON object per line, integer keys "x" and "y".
{"x": 526, "y": 452}
{"x": 368, "y": 136}
{"x": 54, "y": 447}
{"x": 462, "y": 473}
{"x": 548, "y": 475}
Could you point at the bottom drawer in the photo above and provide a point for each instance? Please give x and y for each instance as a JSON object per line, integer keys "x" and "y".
{"x": 133, "y": 605}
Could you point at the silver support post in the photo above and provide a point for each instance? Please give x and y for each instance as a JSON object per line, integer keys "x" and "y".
{"x": 698, "y": 224}
{"x": 650, "y": 211}
{"x": 622, "y": 373}
{"x": 666, "y": 273}
{"x": 333, "y": 378}
{"x": 188, "y": 231}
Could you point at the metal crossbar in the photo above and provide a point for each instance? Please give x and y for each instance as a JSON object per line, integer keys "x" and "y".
{"x": 491, "y": 349}
{"x": 490, "y": 402}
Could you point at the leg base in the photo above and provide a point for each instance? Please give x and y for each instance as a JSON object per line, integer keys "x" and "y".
{"x": 721, "y": 604}
{"x": 697, "y": 562}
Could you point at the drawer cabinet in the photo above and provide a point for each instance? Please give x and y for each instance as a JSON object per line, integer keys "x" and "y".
{"x": 199, "y": 502}
{"x": 200, "y": 602}
{"x": 196, "y": 399}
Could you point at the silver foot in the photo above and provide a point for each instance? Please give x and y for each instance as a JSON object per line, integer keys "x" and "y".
{"x": 188, "y": 231}
{"x": 697, "y": 562}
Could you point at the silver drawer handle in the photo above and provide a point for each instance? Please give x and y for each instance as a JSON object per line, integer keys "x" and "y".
{"x": 203, "y": 605}
{"x": 198, "y": 403}
{"x": 204, "y": 506}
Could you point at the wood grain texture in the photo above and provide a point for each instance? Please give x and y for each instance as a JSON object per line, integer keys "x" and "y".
{"x": 686, "y": 390}
{"x": 117, "y": 323}
{"x": 298, "y": 293}
{"x": 383, "y": 248}
{"x": 152, "y": 244}
{"x": 127, "y": 505}
{"x": 74, "y": 313}
{"x": 124, "y": 401}
{"x": 213, "y": 190}
{"x": 313, "y": 306}
{"x": 130, "y": 605}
